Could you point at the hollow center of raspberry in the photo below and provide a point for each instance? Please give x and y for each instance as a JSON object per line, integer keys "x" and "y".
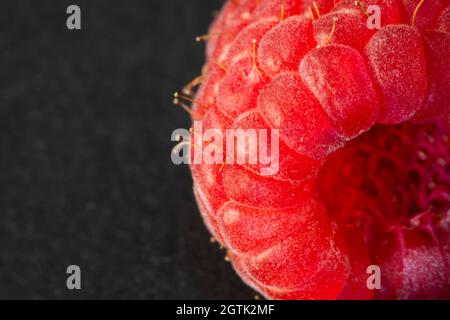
{"x": 391, "y": 176}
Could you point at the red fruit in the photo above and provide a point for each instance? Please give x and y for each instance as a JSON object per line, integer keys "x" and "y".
{"x": 276, "y": 9}
{"x": 282, "y": 48}
{"x": 238, "y": 90}
{"x": 292, "y": 166}
{"x": 348, "y": 23}
{"x": 397, "y": 62}
{"x": 383, "y": 183}
{"x": 364, "y": 166}
{"x": 288, "y": 105}
{"x": 444, "y": 20}
{"x": 242, "y": 47}
{"x": 206, "y": 95}
{"x": 437, "y": 49}
{"x": 349, "y": 100}
{"x": 429, "y": 12}
{"x": 391, "y": 10}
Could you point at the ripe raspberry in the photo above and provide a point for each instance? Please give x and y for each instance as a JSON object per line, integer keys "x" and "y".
{"x": 364, "y": 157}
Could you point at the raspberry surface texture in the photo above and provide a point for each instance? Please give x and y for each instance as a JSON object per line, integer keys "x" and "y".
{"x": 364, "y": 170}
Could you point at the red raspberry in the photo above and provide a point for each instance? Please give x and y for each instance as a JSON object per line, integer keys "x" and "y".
{"x": 364, "y": 173}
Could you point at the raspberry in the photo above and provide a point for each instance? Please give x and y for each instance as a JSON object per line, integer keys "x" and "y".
{"x": 364, "y": 173}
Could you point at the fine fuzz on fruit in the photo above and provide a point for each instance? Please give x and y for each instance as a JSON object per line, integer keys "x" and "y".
{"x": 363, "y": 118}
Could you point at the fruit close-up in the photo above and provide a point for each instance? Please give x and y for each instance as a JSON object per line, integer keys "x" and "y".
{"x": 364, "y": 154}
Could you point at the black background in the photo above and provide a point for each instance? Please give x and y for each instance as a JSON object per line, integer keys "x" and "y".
{"x": 85, "y": 170}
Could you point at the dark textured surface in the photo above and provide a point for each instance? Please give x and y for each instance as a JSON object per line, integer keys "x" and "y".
{"x": 85, "y": 171}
